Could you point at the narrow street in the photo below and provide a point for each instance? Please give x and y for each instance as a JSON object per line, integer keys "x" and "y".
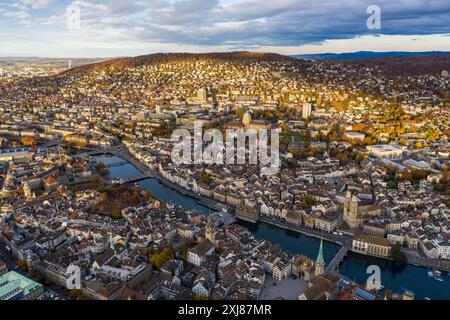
{"x": 5, "y": 256}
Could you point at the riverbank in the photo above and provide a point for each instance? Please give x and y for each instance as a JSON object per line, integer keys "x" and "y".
{"x": 205, "y": 201}
{"x": 353, "y": 267}
{"x": 347, "y": 240}
{"x": 341, "y": 240}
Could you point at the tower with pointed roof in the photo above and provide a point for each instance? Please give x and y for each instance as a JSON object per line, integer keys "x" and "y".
{"x": 320, "y": 262}
{"x": 210, "y": 231}
{"x": 247, "y": 118}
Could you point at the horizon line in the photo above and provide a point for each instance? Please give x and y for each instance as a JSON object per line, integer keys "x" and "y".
{"x": 231, "y": 51}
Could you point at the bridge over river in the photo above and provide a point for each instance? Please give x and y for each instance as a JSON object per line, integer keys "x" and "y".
{"x": 118, "y": 151}
{"x": 338, "y": 258}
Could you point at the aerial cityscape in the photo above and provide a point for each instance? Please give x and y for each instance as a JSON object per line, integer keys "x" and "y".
{"x": 144, "y": 157}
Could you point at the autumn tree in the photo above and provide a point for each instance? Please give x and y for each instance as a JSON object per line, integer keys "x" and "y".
{"x": 406, "y": 175}
{"x": 343, "y": 158}
{"x": 117, "y": 213}
{"x": 239, "y": 112}
{"x": 148, "y": 195}
{"x": 29, "y": 141}
{"x": 22, "y": 265}
{"x": 75, "y": 294}
{"x": 205, "y": 178}
{"x": 158, "y": 259}
{"x": 101, "y": 167}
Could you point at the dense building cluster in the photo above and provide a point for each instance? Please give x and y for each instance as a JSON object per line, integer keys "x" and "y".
{"x": 364, "y": 161}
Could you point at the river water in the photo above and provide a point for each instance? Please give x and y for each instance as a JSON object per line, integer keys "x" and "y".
{"x": 354, "y": 266}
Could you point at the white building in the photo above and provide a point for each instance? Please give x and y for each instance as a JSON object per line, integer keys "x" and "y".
{"x": 198, "y": 254}
{"x": 201, "y": 94}
{"x": 420, "y": 165}
{"x": 307, "y": 108}
{"x": 355, "y": 136}
{"x": 443, "y": 249}
{"x": 385, "y": 151}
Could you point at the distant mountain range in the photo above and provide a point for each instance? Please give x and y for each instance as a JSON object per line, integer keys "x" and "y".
{"x": 365, "y": 54}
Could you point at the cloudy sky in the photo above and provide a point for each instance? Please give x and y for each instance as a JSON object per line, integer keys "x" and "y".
{"x": 101, "y": 28}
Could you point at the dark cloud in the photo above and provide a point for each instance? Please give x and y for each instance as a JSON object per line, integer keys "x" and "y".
{"x": 288, "y": 22}
{"x": 259, "y": 22}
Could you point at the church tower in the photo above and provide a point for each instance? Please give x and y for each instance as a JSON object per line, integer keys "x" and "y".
{"x": 351, "y": 216}
{"x": 320, "y": 263}
{"x": 210, "y": 231}
{"x": 247, "y": 119}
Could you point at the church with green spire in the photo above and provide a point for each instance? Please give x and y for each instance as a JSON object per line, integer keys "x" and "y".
{"x": 320, "y": 262}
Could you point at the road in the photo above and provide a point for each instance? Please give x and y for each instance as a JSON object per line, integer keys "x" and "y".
{"x": 415, "y": 259}
{"x": 340, "y": 239}
{"x": 338, "y": 258}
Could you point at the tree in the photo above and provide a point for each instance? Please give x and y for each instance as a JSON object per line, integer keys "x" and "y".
{"x": 205, "y": 178}
{"x": 104, "y": 197}
{"x": 22, "y": 265}
{"x": 96, "y": 180}
{"x": 75, "y": 294}
{"x": 148, "y": 196}
{"x": 239, "y": 112}
{"x": 150, "y": 251}
{"x": 167, "y": 254}
{"x": 397, "y": 254}
{"x": 359, "y": 159}
{"x": 406, "y": 175}
{"x": 419, "y": 174}
{"x": 117, "y": 214}
{"x": 102, "y": 169}
{"x": 343, "y": 158}
{"x": 29, "y": 141}
{"x": 158, "y": 260}
{"x": 308, "y": 202}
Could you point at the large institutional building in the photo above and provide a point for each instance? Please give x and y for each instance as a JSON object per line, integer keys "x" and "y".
{"x": 385, "y": 151}
{"x": 14, "y": 286}
{"x": 354, "y": 213}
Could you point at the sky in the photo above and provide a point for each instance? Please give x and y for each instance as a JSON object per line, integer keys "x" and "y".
{"x": 102, "y": 28}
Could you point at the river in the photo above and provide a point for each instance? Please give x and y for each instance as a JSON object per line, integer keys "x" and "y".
{"x": 354, "y": 266}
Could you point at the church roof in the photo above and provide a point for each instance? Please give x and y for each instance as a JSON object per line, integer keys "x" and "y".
{"x": 320, "y": 254}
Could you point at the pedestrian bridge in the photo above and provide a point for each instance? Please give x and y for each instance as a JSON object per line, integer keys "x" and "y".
{"x": 117, "y": 164}
{"x": 138, "y": 178}
{"x": 338, "y": 258}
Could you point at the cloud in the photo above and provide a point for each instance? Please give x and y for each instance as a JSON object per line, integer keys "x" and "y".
{"x": 16, "y": 14}
{"x": 37, "y": 4}
{"x": 52, "y": 20}
{"x": 261, "y": 23}
{"x": 236, "y": 23}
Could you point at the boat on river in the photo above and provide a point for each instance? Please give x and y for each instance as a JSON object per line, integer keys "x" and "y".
{"x": 438, "y": 278}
